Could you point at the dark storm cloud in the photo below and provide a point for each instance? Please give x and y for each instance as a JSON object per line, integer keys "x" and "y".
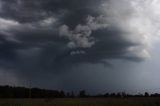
{"x": 30, "y": 11}
{"x": 39, "y": 36}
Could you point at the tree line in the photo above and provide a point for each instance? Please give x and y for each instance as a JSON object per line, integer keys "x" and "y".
{"x": 22, "y": 92}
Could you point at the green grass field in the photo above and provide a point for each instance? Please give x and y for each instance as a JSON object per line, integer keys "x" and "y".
{"x": 82, "y": 102}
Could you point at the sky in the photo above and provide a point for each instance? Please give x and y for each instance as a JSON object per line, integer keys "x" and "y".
{"x": 96, "y": 45}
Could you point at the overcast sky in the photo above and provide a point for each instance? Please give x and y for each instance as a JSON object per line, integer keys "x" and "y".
{"x": 96, "y": 45}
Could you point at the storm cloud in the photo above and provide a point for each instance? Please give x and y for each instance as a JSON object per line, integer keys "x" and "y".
{"x": 54, "y": 36}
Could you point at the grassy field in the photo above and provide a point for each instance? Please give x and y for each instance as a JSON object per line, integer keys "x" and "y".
{"x": 82, "y": 102}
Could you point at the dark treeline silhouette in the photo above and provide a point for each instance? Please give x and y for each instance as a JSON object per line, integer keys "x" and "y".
{"x": 22, "y": 92}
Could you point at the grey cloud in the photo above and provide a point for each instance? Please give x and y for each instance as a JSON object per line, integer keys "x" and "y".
{"x": 81, "y": 35}
{"x": 89, "y": 32}
{"x": 50, "y": 36}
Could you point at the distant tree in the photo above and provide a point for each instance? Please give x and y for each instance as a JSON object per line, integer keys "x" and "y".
{"x": 82, "y": 93}
{"x": 123, "y": 94}
{"x": 112, "y": 94}
{"x": 155, "y": 95}
{"x": 62, "y": 94}
{"x": 118, "y": 94}
{"x": 146, "y": 94}
{"x": 139, "y": 95}
{"x": 72, "y": 94}
{"x": 21, "y": 92}
{"x": 106, "y": 95}
{"x": 68, "y": 95}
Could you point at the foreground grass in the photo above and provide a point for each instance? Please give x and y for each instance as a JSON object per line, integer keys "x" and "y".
{"x": 82, "y": 102}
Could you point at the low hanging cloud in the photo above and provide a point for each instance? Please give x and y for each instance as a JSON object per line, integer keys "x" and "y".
{"x": 138, "y": 22}
{"x": 55, "y": 35}
{"x": 81, "y": 35}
